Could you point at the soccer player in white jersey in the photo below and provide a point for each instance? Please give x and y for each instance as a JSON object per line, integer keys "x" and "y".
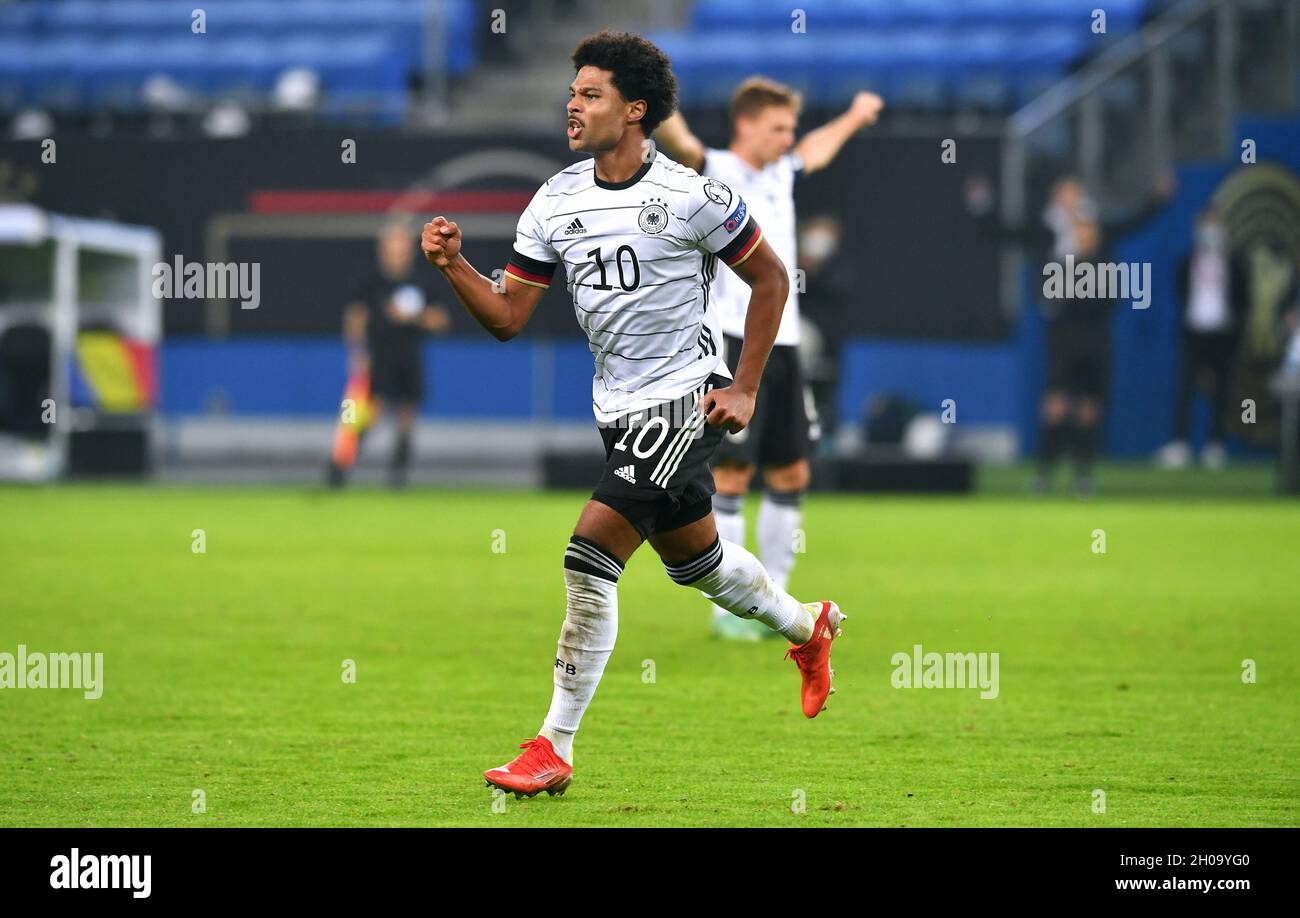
{"x": 762, "y": 165}
{"x": 639, "y": 237}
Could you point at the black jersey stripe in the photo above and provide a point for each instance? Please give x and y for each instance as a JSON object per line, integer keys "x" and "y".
{"x": 671, "y": 280}
{"x": 698, "y": 209}
{"x": 689, "y": 347}
{"x": 644, "y": 261}
{"x": 710, "y": 269}
{"x": 623, "y": 334}
{"x": 575, "y": 242}
{"x": 592, "y": 210}
{"x": 641, "y": 312}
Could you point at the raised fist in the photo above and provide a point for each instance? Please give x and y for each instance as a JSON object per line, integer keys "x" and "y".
{"x": 440, "y": 241}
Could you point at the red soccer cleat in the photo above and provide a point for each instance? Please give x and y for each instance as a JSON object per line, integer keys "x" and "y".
{"x": 813, "y": 657}
{"x": 534, "y": 770}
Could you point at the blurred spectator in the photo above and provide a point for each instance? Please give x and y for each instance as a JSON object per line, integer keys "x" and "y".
{"x": 1078, "y": 328}
{"x": 1212, "y": 291}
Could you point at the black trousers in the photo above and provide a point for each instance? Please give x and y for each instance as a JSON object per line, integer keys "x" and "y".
{"x": 1207, "y": 365}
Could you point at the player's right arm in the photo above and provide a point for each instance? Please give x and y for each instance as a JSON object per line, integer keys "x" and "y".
{"x": 501, "y": 309}
{"x": 675, "y": 137}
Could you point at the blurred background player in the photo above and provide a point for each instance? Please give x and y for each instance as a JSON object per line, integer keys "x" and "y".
{"x": 1078, "y": 329}
{"x": 383, "y": 327}
{"x": 762, "y": 164}
{"x": 1213, "y": 292}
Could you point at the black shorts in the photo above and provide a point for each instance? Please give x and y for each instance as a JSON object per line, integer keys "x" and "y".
{"x": 1078, "y": 360}
{"x": 783, "y": 427}
{"x": 657, "y": 464}
{"x": 1208, "y": 351}
{"x": 397, "y": 375}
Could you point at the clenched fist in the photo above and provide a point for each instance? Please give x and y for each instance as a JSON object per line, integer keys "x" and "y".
{"x": 440, "y": 241}
{"x": 866, "y": 107}
{"x": 731, "y": 408}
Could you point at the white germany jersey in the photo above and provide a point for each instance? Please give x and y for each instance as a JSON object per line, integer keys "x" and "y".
{"x": 770, "y": 195}
{"x": 639, "y": 256}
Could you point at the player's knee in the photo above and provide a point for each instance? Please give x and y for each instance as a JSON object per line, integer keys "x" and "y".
{"x": 732, "y": 477}
{"x": 1054, "y": 406}
{"x": 724, "y": 573}
{"x": 698, "y": 570}
{"x": 585, "y": 560}
{"x": 788, "y": 478}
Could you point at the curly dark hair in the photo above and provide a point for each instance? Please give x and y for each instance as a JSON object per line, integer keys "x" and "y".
{"x": 640, "y": 69}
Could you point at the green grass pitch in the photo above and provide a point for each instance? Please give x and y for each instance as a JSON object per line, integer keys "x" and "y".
{"x": 1119, "y": 672}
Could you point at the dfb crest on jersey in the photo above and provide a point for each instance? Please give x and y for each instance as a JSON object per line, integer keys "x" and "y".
{"x": 717, "y": 192}
{"x": 653, "y": 218}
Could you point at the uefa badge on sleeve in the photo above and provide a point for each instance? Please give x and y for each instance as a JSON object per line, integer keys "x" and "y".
{"x": 717, "y": 192}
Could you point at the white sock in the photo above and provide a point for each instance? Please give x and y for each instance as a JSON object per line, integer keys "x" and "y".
{"x": 561, "y": 742}
{"x": 586, "y": 640}
{"x": 735, "y": 580}
{"x": 779, "y": 516}
{"x": 731, "y": 526}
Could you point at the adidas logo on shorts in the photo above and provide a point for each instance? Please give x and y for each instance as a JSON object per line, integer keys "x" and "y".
{"x": 627, "y": 473}
{"x": 575, "y": 228}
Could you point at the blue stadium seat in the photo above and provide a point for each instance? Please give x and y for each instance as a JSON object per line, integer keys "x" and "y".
{"x": 920, "y": 53}
{"x": 18, "y": 18}
{"x": 983, "y": 77}
{"x": 74, "y": 53}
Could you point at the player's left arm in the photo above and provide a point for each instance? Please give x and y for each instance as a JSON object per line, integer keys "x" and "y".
{"x": 769, "y": 286}
{"x": 818, "y": 147}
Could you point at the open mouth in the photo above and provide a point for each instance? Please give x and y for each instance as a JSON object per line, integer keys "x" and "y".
{"x": 575, "y": 128}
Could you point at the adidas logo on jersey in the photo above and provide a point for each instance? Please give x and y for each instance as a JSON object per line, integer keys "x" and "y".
{"x": 627, "y": 473}
{"x": 575, "y": 228}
